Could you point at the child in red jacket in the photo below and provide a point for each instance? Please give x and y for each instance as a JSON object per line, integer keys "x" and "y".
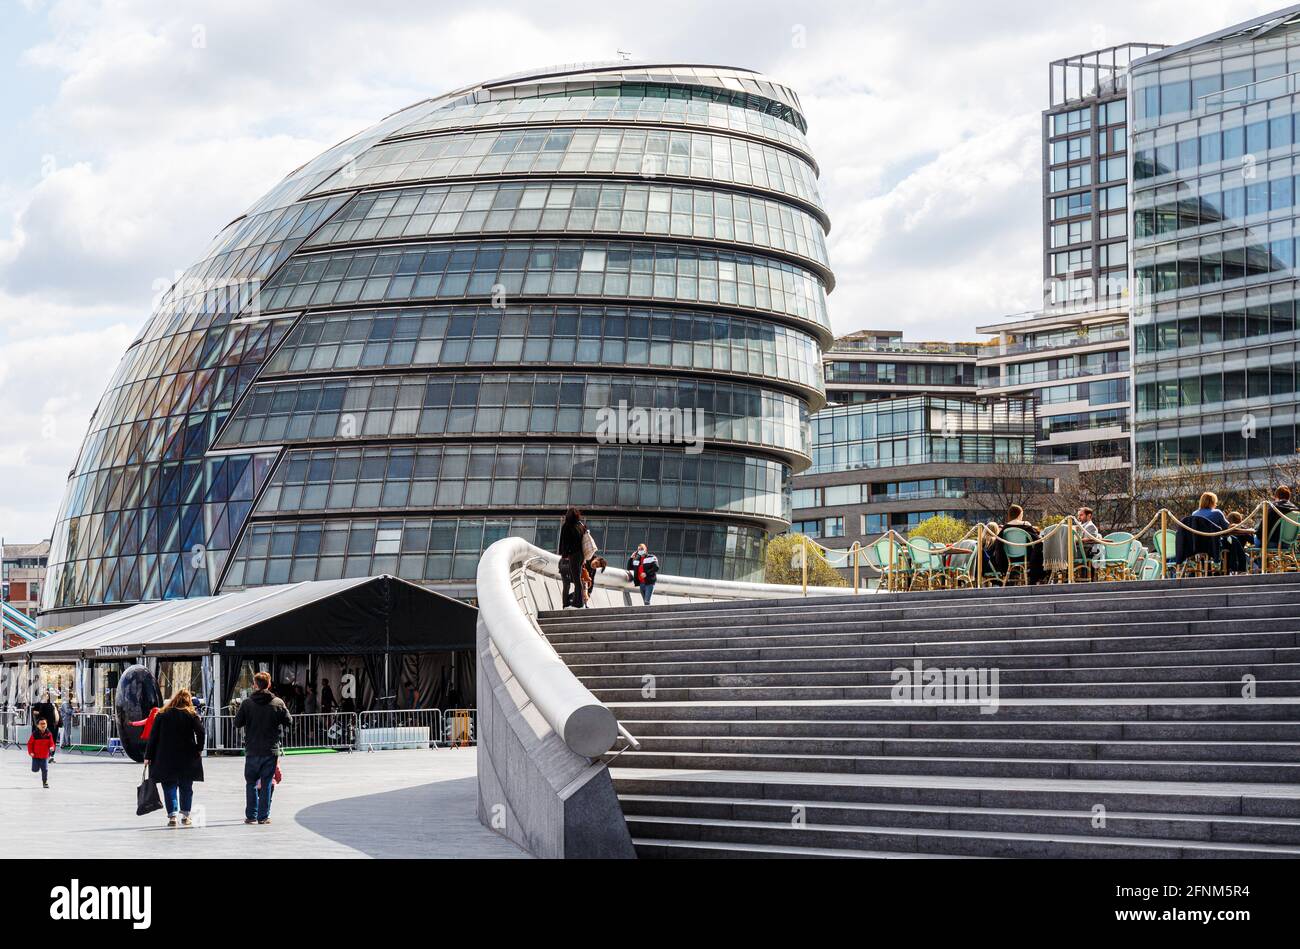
{"x": 40, "y": 746}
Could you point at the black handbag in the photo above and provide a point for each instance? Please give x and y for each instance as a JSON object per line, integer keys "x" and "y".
{"x": 147, "y": 798}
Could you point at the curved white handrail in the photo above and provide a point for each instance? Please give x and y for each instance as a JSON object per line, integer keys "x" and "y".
{"x": 587, "y": 726}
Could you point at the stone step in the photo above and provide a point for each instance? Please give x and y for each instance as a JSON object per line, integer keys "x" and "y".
{"x": 1108, "y": 770}
{"x": 1089, "y": 822}
{"x": 1204, "y": 798}
{"x": 1130, "y": 709}
{"x": 673, "y": 663}
{"x": 701, "y": 850}
{"x": 813, "y": 636}
{"x": 944, "y": 841}
{"x": 1287, "y": 752}
{"x": 983, "y": 727}
{"x": 1202, "y": 607}
{"x": 1284, "y": 645}
{"x": 828, "y": 624}
{"x": 1208, "y": 688}
{"x": 1064, "y": 593}
{"x": 634, "y": 678}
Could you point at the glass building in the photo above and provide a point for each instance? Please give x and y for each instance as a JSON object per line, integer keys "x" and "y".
{"x": 409, "y": 348}
{"x": 907, "y": 435}
{"x": 1215, "y": 183}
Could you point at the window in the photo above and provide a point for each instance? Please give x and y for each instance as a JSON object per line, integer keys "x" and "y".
{"x": 1075, "y": 121}
{"x": 1074, "y": 232}
{"x": 1075, "y": 176}
{"x": 1071, "y": 149}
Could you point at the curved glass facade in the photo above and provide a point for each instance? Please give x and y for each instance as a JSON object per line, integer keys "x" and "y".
{"x": 537, "y": 334}
{"x": 577, "y": 207}
{"x": 435, "y": 333}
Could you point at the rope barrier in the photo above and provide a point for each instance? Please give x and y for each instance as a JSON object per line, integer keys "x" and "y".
{"x": 983, "y": 534}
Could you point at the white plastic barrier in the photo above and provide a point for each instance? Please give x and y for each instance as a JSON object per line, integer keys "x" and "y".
{"x": 387, "y": 730}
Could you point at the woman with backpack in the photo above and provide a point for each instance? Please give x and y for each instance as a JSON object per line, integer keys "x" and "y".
{"x": 174, "y": 755}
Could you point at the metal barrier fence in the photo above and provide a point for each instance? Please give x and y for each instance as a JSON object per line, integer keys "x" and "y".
{"x": 88, "y": 731}
{"x": 460, "y": 728}
{"x": 13, "y": 728}
{"x": 342, "y": 731}
{"x": 410, "y": 728}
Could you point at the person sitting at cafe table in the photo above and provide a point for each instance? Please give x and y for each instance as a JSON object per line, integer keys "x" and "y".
{"x": 1279, "y": 506}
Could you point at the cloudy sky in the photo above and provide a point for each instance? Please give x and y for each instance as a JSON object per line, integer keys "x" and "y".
{"x": 131, "y": 131}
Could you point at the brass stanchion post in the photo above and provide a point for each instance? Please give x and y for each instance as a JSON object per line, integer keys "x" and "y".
{"x": 856, "y": 548}
{"x": 1069, "y": 549}
{"x": 979, "y": 558}
{"x": 893, "y": 583}
{"x": 1164, "y": 541}
{"x": 1263, "y": 542}
{"x": 804, "y": 560}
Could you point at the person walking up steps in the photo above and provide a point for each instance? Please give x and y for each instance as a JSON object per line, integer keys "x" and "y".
{"x": 40, "y": 746}
{"x": 261, "y": 716}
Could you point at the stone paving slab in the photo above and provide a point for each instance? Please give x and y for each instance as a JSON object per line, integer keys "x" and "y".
{"x": 387, "y": 804}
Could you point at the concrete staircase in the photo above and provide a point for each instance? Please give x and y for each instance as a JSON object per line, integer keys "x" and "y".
{"x": 1121, "y": 730}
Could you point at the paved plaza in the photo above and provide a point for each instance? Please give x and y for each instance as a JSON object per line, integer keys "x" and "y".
{"x": 386, "y": 804}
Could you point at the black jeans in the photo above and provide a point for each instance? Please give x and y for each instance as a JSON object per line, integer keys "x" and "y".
{"x": 571, "y": 573}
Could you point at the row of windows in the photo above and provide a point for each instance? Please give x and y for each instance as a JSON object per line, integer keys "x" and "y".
{"x": 1273, "y": 376}
{"x": 1178, "y": 88}
{"x": 1232, "y": 446}
{"x": 441, "y": 549}
{"x": 1232, "y": 204}
{"x": 585, "y": 151}
{"x": 1074, "y": 261}
{"x": 841, "y": 494}
{"x": 455, "y": 476}
{"x": 1094, "y": 393}
{"x": 1082, "y": 421}
{"x": 917, "y": 415}
{"x": 1077, "y": 120}
{"x": 536, "y": 268}
{"x": 1109, "y": 226}
{"x": 518, "y": 404}
{"x": 921, "y": 450}
{"x": 567, "y": 335}
{"x": 1213, "y": 263}
{"x": 1108, "y": 199}
{"x": 1080, "y": 176}
{"x": 672, "y": 106}
{"x": 1066, "y": 367}
{"x": 1231, "y": 144}
{"x": 1071, "y": 336}
{"x": 610, "y": 207}
{"x": 903, "y": 373}
{"x": 1231, "y": 319}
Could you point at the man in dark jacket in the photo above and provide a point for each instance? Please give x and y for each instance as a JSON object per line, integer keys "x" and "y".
{"x": 643, "y": 570}
{"x": 261, "y": 716}
{"x": 1280, "y": 505}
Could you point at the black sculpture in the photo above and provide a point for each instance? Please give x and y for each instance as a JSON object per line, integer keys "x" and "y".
{"x": 137, "y": 696}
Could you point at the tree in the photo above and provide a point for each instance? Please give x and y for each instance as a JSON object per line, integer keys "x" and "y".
{"x": 783, "y": 563}
{"x": 940, "y": 529}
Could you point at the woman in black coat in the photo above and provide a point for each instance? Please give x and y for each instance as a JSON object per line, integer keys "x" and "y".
{"x": 570, "y": 551}
{"x": 175, "y": 754}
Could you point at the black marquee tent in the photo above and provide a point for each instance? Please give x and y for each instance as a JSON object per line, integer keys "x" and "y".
{"x": 405, "y": 646}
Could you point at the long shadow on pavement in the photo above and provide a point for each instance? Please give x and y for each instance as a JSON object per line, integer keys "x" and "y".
{"x": 431, "y": 821}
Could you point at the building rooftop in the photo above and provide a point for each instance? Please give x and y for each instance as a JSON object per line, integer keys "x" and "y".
{"x": 15, "y": 551}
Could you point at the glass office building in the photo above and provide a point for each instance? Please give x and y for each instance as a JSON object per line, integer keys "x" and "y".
{"x": 1215, "y": 166}
{"x": 408, "y": 348}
